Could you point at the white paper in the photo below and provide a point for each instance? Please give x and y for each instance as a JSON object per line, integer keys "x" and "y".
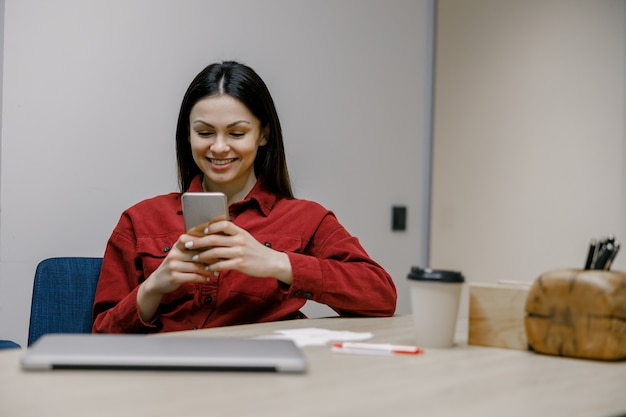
{"x": 313, "y": 336}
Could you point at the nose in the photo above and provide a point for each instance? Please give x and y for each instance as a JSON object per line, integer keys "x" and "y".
{"x": 220, "y": 145}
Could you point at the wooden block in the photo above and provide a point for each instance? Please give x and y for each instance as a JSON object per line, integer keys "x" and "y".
{"x": 496, "y": 315}
{"x": 578, "y": 313}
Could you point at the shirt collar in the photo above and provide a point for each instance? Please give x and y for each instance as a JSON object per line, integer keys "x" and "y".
{"x": 259, "y": 196}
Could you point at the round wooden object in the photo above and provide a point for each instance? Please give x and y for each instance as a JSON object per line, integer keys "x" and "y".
{"x": 578, "y": 313}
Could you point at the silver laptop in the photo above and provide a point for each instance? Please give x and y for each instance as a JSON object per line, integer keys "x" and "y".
{"x": 140, "y": 352}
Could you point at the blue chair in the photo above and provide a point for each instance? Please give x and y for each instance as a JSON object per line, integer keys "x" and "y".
{"x": 63, "y": 294}
{"x": 8, "y": 344}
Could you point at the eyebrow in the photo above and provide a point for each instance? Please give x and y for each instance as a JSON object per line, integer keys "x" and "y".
{"x": 228, "y": 126}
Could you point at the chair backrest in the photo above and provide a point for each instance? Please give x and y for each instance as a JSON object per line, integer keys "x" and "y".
{"x": 63, "y": 294}
{"x": 8, "y": 344}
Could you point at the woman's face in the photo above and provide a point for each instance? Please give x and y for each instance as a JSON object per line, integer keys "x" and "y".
{"x": 224, "y": 137}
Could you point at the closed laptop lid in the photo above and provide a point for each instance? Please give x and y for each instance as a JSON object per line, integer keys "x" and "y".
{"x": 137, "y": 352}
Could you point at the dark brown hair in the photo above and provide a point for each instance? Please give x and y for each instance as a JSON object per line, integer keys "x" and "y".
{"x": 241, "y": 82}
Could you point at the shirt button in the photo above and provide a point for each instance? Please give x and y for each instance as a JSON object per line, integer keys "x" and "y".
{"x": 268, "y": 244}
{"x": 297, "y": 293}
{"x": 208, "y": 300}
{"x": 167, "y": 248}
{"x": 308, "y": 295}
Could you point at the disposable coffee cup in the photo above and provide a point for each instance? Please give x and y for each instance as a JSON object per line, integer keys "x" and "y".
{"x": 435, "y": 296}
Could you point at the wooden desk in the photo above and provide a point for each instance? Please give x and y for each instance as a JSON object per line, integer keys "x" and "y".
{"x": 461, "y": 381}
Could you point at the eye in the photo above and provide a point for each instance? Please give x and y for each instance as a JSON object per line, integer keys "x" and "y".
{"x": 237, "y": 134}
{"x": 205, "y": 133}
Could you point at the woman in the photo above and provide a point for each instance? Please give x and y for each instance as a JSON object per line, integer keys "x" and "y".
{"x": 276, "y": 251}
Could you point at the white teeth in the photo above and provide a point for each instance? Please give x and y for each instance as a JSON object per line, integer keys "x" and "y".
{"x": 221, "y": 161}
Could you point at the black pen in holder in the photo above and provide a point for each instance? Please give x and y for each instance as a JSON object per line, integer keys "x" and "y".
{"x": 601, "y": 253}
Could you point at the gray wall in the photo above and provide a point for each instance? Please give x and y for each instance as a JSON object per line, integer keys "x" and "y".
{"x": 91, "y": 91}
{"x": 529, "y": 135}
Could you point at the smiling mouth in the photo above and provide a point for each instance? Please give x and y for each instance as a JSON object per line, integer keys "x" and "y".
{"x": 222, "y": 161}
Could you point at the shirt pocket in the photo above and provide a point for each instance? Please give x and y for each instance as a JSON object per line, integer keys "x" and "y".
{"x": 152, "y": 251}
{"x": 281, "y": 242}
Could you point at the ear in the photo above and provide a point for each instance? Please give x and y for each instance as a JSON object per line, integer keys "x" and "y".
{"x": 265, "y": 133}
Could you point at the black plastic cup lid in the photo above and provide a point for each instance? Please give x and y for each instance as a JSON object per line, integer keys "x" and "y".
{"x": 435, "y": 275}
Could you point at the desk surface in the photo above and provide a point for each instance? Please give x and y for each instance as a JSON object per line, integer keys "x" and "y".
{"x": 463, "y": 380}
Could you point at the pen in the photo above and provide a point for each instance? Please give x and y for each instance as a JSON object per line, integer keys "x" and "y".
{"x": 603, "y": 256}
{"x": 602, "y": 253}
{"x": 612, "y": 256}
{"x": 590, "y": 254}
{"x": 376, "y": 348}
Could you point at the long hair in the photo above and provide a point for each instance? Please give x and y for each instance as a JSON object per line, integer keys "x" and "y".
{"x": 241, "y": 82}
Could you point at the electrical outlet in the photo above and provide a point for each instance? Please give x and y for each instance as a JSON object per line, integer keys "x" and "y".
{"x": 398, "y": 218}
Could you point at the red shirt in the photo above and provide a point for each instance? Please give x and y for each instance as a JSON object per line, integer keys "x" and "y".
{"x": 329, "y": 266}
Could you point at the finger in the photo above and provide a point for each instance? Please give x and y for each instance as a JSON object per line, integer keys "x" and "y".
{"x": 172, "y": 275}
{"x": 201, "y": 276}
{"x": 225, "y": 265}
{"x": 204, "y": 258}
{"x": 211, "y": 241}
{"x": 192, "y": 263}
{"x": 199, "y": 230}
{"x": 184, "y": 243}
{"x": 221, "y": 227}
{"x": 188, "y": 244}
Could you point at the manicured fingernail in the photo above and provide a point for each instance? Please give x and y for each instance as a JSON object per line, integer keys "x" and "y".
{"x": 216, "y": 274}
{"x": 189, "y": 244}
{"x": 206, "y": 267}
{"x": 195, "y": 257}
{"x": 206, "y": 230}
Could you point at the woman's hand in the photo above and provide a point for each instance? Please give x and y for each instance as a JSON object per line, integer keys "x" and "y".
{"x": 178, "y": 267}
{"x": 226, "y": 246}
{"x": 204, "y": 251}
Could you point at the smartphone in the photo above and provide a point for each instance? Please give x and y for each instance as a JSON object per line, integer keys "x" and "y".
{"x": 199, "y": 208}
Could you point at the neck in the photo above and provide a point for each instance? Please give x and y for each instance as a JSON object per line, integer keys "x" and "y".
{"x": 233, "y": 193}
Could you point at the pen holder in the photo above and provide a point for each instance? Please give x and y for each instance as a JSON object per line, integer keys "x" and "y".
{"x": 578, "y": 313}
